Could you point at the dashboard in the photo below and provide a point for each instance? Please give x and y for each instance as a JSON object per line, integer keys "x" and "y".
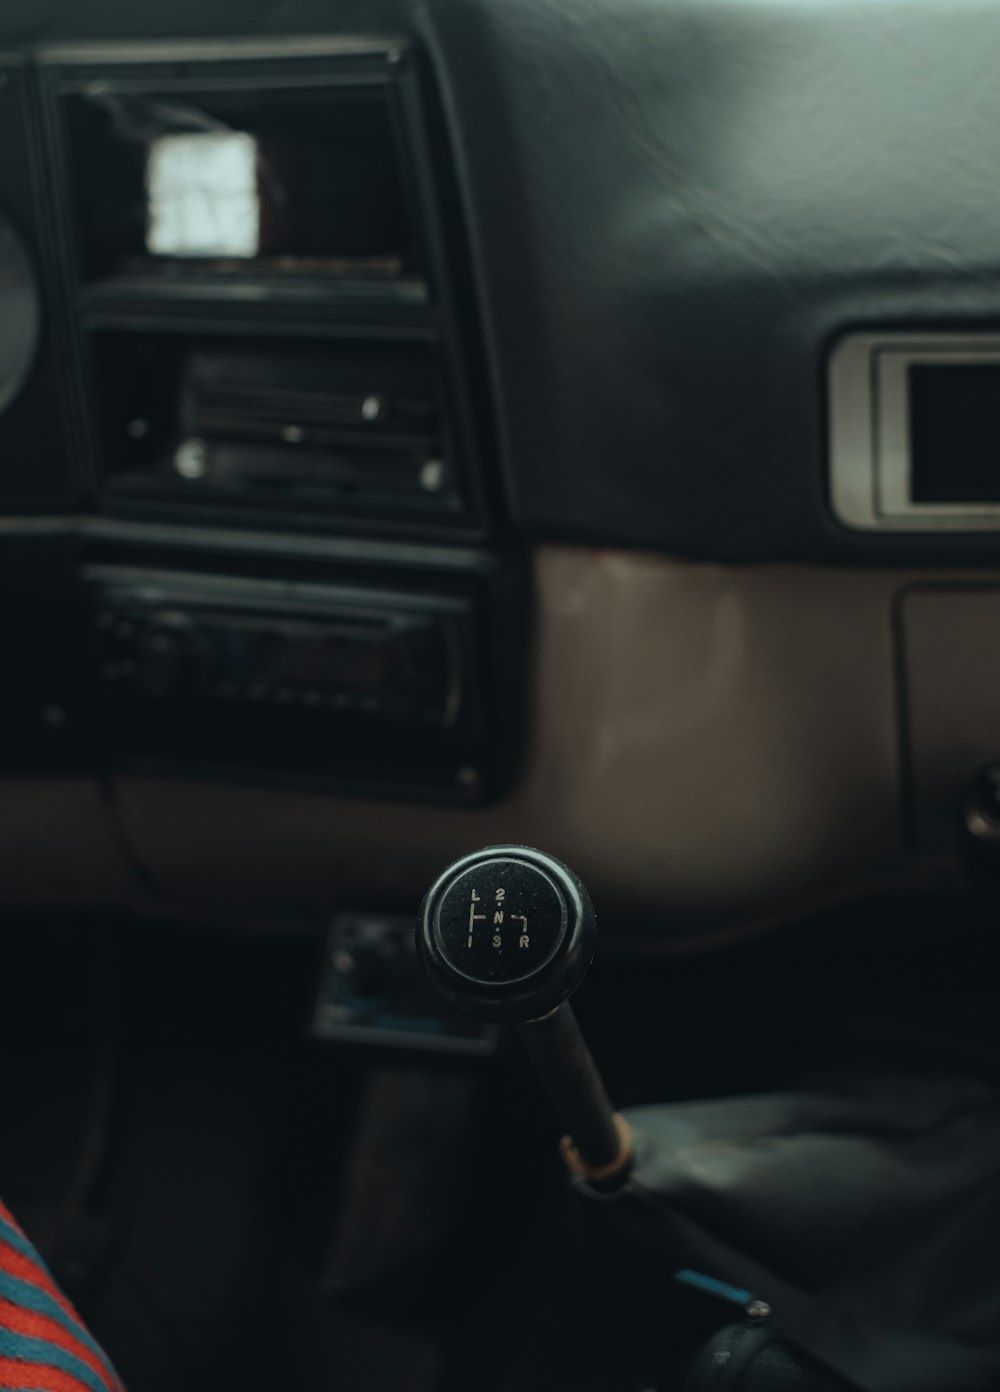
{"x": 546, "y": 421}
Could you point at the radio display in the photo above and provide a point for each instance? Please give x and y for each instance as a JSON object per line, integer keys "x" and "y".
{"x": 299, "y": 656}
{"x": 398, "y": 667}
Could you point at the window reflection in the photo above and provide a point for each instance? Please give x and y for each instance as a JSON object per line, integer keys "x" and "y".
{"x": 203, "y": 196}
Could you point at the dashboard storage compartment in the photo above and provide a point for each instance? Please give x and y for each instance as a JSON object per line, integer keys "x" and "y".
{"x": 344, "y": 428}
{"x": 224, "y": 170}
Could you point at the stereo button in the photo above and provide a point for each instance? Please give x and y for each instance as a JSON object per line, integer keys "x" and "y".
{"x": 170, "y": 658}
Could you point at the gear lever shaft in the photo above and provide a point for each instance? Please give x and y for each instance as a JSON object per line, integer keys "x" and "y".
{"x": 507, "y": 934}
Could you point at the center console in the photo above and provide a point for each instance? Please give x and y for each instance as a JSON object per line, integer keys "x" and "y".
{"x": 288, "y": 541}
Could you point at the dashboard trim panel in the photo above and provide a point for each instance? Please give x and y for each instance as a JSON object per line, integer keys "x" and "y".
{"x": 870, "y": 446}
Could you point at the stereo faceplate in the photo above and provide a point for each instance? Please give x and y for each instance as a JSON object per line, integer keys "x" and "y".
{"x": 378, "y": 689}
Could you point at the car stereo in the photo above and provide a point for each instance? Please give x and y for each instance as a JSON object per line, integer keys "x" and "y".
{"x": 360, "y": 685}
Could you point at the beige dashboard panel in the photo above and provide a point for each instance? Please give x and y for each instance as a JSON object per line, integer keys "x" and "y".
{"x": 704, "y": 740}
{"x": 950, "y": 649}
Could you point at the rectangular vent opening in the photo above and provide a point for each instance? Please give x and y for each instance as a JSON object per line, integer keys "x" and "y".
{"x": 954, "y": 432}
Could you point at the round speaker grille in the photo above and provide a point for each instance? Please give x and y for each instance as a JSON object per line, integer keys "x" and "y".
{"x": 20, "y": 314}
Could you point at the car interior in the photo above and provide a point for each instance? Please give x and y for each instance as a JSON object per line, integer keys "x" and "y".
{"x": 500, "y": 798}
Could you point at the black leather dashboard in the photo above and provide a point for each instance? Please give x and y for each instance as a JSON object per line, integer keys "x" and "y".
{"x": 675, "y": 207}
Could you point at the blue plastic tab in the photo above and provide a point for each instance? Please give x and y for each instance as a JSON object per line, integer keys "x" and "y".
{"x": 711, "y": 1286}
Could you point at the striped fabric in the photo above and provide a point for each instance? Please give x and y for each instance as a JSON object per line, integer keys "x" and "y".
{"x": 43, "y": 1345}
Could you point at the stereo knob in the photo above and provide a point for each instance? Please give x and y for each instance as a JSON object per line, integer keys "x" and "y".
{"x": 170, "y": 658}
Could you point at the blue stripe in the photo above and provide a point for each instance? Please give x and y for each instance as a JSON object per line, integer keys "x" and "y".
{"x": 711, "y": 1286}
{"x": 10, "y": 1235}
{"x": 40, "y": 1302}
{"x": 27, "y": 1350}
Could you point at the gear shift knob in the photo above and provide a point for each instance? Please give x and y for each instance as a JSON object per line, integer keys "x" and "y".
{"x": 507, "y": 934}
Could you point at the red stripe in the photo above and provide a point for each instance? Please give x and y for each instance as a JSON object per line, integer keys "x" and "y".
{"x": 21, "y": 1321}
{"x": 28, "y": 1270}
{"x": 40, "y": 1378}
{"x": 15, "y": 1264}
{"x": 37, "y": 1377}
